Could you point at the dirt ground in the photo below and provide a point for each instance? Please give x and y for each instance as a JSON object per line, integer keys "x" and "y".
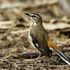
{"x": 14, "y": 27}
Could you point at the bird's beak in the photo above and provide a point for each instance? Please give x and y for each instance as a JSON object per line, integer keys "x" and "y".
{"x": 27, "y": 14}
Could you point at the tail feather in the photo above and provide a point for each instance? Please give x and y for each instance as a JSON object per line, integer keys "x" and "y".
{"x": 62, "y": 56}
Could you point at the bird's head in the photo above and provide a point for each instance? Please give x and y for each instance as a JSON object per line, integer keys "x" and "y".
{"x": 36, "y": 18}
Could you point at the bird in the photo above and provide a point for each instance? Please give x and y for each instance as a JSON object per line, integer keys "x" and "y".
{"x": 40, "y": 39}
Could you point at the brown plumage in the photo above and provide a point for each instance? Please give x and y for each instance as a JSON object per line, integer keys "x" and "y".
{"x": 41, "y": 40}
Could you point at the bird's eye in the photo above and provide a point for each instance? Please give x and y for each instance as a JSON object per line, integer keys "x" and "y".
{"x": 33, "y": 16}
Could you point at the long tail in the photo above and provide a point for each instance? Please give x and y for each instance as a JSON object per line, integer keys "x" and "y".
{"x": 53, "y": 47}
{"x": 62, "y": 56}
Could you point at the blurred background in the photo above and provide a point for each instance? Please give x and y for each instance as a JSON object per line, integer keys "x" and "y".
{"x": 14, "y": 27}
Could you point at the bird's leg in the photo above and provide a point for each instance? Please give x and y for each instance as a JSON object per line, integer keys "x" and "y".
{"x": 38, "y": 59}
{"x": 50, "y": 53}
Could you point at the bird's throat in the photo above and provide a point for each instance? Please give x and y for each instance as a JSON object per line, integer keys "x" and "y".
{"x": 34, "y": 23}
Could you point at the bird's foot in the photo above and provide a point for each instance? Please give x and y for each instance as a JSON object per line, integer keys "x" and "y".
{"x": 50, "y": 53}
